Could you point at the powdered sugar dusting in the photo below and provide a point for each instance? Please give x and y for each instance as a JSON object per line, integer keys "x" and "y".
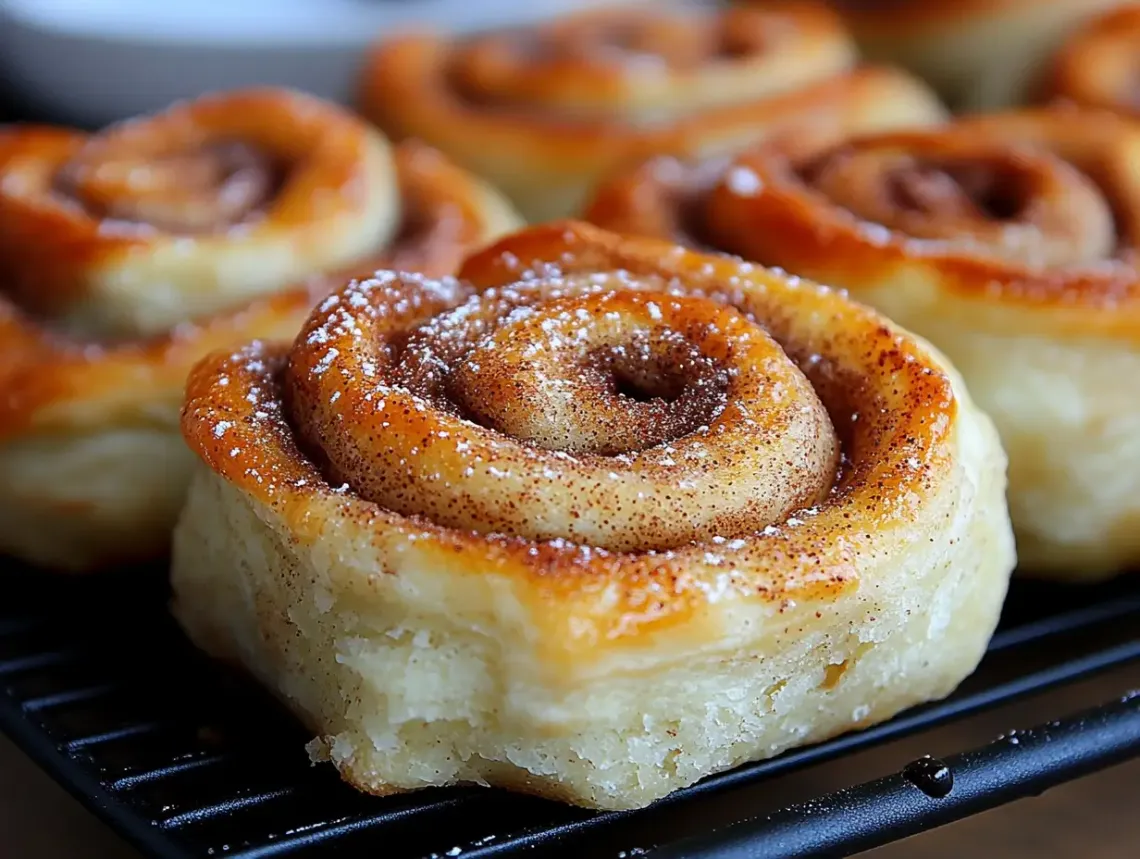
{"x": 619, "y": 419}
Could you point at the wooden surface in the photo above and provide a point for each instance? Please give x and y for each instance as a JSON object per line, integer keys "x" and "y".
{"x": 1092, "y": 819}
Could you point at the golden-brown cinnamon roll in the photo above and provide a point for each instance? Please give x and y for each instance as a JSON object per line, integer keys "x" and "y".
{"x": 1009, "y": 241}
{"x": 546, "y": 112}
{"x": 980, "y": 54}
{"x": 595, "y": 520}
{"x": 1099, "y": 65}
{"x": 127, "y": 256}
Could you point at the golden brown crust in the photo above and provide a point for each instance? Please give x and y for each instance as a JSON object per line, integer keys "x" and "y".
{"x": 894, "y": 415}
{"x": 545, "y": 113}
{"x": 624, "y": 61}
{"x": 764, "y": 206}
{"x": 441, "y": 523}
{"x": 47, "y": 377}
{"x": 1010, "y": 240}
{"x": 58, "y": 213}
{"x": 87, "y": 392}
{"x": 1097, "y": 66}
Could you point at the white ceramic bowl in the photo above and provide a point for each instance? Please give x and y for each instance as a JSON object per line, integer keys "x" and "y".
{"x": 90, "y": 62}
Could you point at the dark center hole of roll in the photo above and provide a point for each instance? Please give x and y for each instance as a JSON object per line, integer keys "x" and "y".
{"x": 659, "y": 388}
{"x": 646, "y": 387}
{"x": 685, "y": 200}
{"x": 659, "y": 370}
{"x": 189, "y": 191}
{"x": 624, "y": 36}
{"x": 989, "y": 191}
{"x": 735, "y": 46}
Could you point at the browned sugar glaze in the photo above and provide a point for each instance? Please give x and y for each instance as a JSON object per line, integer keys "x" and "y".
{"x": 677, "y": 39}
{"x": 302, "y": 430}
{"x": 226, "y": 186}
{"x": 574, "y": 63}
{"x": 196, "y": 190}
{"x": 987, "y": 197}
{"x": 1038, "y": 206}
{"x": 605, "y": 409}
{"x": 233, "y": 167}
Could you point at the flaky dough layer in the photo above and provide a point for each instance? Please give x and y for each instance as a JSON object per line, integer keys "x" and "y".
{"x": 1010, "y": 241}
{"x": 93, "y": 469}
{"x": 548, "y": 112}
{"x": 421, "y": 654}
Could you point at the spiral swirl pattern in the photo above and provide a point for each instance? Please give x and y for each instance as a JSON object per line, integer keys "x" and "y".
{"x": 134, "y": 252}
{"x": 577, "y": 389}
{"x": 1037, "y": 208}
{"x": 165, "y": 218}
{"x": 1010, "y": 240}
{"x": 499, "y": 519}
{"x": 643, "y": 64}
{"x": 561, "y": 408}
{"x": 212, "y": 187}
{"x": 547, "y": 111}
{"x": 971, "y": 195}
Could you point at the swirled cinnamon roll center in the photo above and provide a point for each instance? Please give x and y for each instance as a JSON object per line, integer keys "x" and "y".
{"x": 210, "y": 188}
{"x": 678, "y": 41}
{"x": 544, "y": 67}
{"x": 599, "y": 410}
{"x": 605, "y": 375}
{"x": 959, "y": 190}
{"x": 1017, "y": 204}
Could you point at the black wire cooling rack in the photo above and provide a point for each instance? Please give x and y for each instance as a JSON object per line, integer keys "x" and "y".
{"x": 184, "y": 760}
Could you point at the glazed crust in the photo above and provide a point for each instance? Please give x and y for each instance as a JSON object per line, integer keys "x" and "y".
{"x": 1010, "y": 242}
{"x": 91, "y": 460}
{"x": 545, "y": 113}
{"x": 965, "y": 47}
{"x": 427, "y": 649}
{"x": 1097, "y": 66}
{"x": 127, "y": 233}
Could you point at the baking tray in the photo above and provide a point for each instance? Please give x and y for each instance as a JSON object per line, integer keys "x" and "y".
{"x": 184, "y": 759}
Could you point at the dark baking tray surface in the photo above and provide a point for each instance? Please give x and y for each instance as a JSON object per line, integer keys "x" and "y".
{"x": 185, "y": 760}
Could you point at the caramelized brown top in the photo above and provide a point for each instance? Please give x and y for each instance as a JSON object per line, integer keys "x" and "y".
{"x": 599, "y": 409}
{"x": 500, "y": 415}
{"x": 1032, "y": 208}
{"x": 603, "y": 70}
{"x": 983, "y": 196}
{"x": 627, "y": 59}
{"x": 241, "y": 164}
{"x": 49, "y": 380}
{"x": 206, "y": 189}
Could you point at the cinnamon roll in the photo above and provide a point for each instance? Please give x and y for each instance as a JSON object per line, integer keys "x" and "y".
{"x": 979, "y": 54}
{"x": 1010, "y": 241}
{"x": 1098, "y": 66}
{"x": 594, "y": 520}
{"x": 547, "y": 111}
{"x": 128, "y": 255}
